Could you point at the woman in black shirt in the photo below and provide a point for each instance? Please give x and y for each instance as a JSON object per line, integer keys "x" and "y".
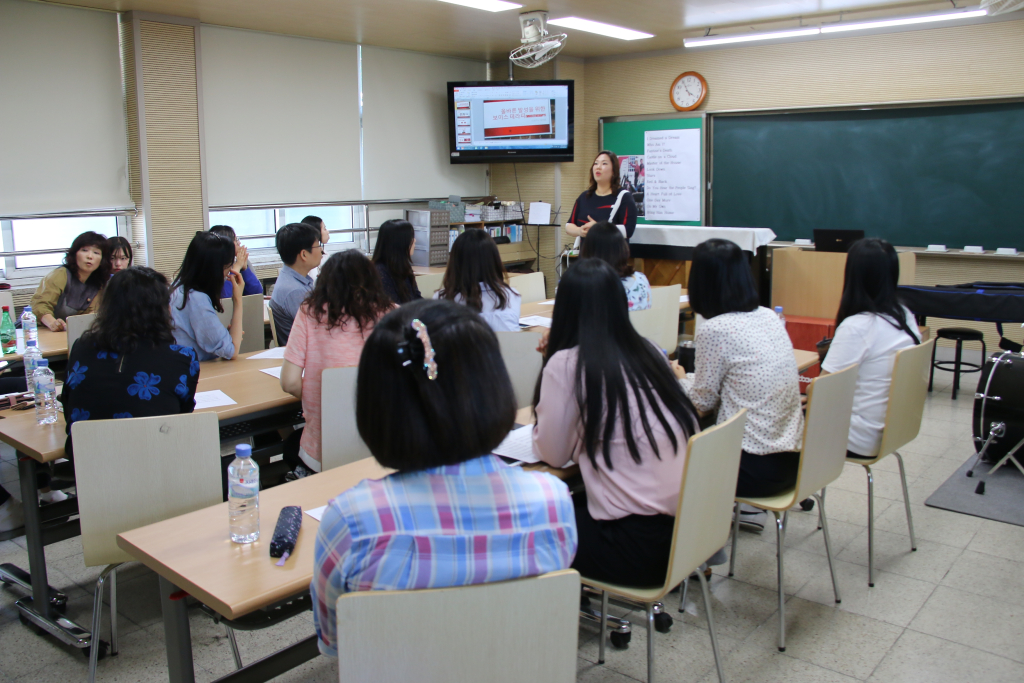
{"x": 595, "y": 204}
{"x": 393, "y": 257}
{"x": 127, "y": 364}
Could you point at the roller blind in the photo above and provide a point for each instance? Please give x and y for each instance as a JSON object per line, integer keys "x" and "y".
{"x": 281, "y": 118}
{"x": 62, "y": 125}
{"x": 405, "y": 126}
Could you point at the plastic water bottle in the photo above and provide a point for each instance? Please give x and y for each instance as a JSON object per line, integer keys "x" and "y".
{"x": 8, "y": 335}
{"x": 244, "y": 496}
{"x": 778, "y": 312}
{"x": 46, "y": 393}
{"x": 31, "y": 359}
{"x": 29, "y": 325}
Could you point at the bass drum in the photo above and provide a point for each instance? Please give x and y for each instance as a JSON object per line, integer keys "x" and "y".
{"x": 1000, "y": 398}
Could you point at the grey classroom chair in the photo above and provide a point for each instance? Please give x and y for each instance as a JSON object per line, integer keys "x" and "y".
{"x": 907, "y": 392}
{"x": 826, "y": 429}
{"x": 519, "y": 351}
{"x": 429, "y": 283}
{"x": 252, "y": 321}
{"x": 340, "y": 442}
{"x": 701, "y": 528}
{"x": 529, "y": 286}
{"x": 534, "y": 638}
{"x": 273, "y": 325}
{"x": 77, "y": 325}
{"x": 177, "y": 454}
{"x": 660, "y": 323}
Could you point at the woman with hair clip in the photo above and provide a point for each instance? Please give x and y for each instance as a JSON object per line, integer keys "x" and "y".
{"x": 433, "y": 400}
{"x": 120, "y": 254}
{"x": 604, "y": 200}
{"x": 392, "y": 254}
{"x": 73, "y": 288}
{"x": 329, "y": 332}
{"x": 127, "y": 364}
{"x": 475, "y": 277}
{"x": 195, "y": 298}
{"x": 608, "y": 400}
{"x": 871, "y": 326}
{"x": 605, "y": 242}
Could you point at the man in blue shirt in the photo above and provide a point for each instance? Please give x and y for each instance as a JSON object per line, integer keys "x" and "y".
{"x": 301, "y": 250}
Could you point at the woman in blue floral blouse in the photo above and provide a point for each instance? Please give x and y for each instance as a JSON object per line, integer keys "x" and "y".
{"x": 127, "y": 364}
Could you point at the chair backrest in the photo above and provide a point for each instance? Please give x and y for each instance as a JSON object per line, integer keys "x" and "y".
{"x": 519, "y": 351}
{"x": 826, "y": 430}
{"x": 704, "y": 516}
{"x": 340, "y": 442}
{"x": 429, "y": 283}
{"x": 907, "y": 392}
{"x": 534, "y": 639}
{"x": 273, "y": 325}
{"x": 252, "y": 321}
{"x": 179, "y": 455}
{"x": 660, "y": 323}
{"x": 530, "y": 287}
{"x": 77, "y": 325}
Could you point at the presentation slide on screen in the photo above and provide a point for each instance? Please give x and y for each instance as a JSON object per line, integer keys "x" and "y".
{"x": 511, "y": 117}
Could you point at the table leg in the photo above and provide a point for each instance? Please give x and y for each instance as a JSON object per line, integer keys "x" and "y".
{"x": 177, "y": 636}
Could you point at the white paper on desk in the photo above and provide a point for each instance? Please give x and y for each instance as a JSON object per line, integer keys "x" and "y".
{"x": 213, "y": 399}
{"x": 535, "y": 321}
{"x": 317, "y": 513}
{"x": 273, "y": 372}
{"x": 518, "y": 445}
{"x": 540, "y": 213}
{"x": 546, "y": 303}
{"x": 684, "y": 299}
{"x": 269, "y": 354}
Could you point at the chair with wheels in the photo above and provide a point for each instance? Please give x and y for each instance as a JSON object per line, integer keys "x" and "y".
{"x": 957, "y": 366}
{"x": 535, "y": 638}
{"x": 519, "y": 351}
{"x": 340, "y": 441}
{"x": 701, "y": 528}
{"x": 826, "y": 430}
{"x": 903, "y": 415}
{"x": 165, "y": 466}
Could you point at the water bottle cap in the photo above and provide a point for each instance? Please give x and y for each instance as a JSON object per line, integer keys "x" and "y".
{"x": 28, "y": 309}
{"x": 31, "y": 342}
{"x": 778, "y": 309}
{"x": 243, "y": 450}
{"x": 42, "y": 363}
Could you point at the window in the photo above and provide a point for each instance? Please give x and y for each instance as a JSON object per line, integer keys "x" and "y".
{"x": 249, "y": 224}
{"x": 47, "y": 234}
{"x": 334, "y": 217}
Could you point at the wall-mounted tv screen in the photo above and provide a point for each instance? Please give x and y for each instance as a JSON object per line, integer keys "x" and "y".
{"x": 492, "y": 121}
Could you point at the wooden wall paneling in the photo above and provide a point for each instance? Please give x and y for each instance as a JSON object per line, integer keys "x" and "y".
{"x": 136, "y": 222}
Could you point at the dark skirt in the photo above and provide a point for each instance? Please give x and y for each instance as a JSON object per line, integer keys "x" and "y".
{"x": 762, "y": 476}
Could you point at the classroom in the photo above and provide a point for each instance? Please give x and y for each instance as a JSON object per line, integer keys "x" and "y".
{"x": 492, "y": 341}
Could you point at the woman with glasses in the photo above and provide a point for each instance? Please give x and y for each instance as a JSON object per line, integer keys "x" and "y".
{"x": 241, "y": 265}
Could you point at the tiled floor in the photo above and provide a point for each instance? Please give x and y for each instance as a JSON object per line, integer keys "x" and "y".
{"x": 953, "y": 611}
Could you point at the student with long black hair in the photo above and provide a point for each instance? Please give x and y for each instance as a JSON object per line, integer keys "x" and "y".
{"x": 195, "y": 298}
{"x": 605, "y": 242}
{"x": 608, "y": 400}
{"x": 871, "y": 326}
{"x": 475, "y": 277}
{"x": 393, "y": 257}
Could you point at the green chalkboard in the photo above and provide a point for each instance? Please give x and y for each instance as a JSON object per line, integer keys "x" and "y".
{"x": 624, "y": 135}
{"x": 950, "y": 175}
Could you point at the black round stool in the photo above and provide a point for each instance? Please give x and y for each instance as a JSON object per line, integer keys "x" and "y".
{"x": 956, "y": 366}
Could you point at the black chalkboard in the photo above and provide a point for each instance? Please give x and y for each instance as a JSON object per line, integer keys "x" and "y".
{"x": 950, "y": 175}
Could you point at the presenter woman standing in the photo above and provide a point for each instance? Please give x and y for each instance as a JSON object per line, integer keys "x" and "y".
{"x": 604, "y": 200}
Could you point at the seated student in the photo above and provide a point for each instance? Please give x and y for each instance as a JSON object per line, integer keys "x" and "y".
{"x": 475, "y": 277}
{"x": 195, "y": 298}
{"x": 329, "y": 332}
{"x": 301, "y": 250}
{"x": 607, "y": 399}
{"x": 432, "y": 401}
{"x": 605, "y": 242}
{"x": 319, "y": 224}
{"x": 744, "y": 359}
{"x": 240, "y": 266}
{"x": 871, "y": 326}
{"x": 127, "y": 364}
{"x": 73, "y": 288}
{"x": 392, "y": 255}
{"x": 120, "y": 254}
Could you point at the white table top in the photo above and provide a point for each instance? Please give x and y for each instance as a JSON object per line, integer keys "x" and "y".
{"x": 748, "y": 239}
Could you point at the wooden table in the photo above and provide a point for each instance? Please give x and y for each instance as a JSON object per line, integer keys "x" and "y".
{"x": 51, "y": 344}
{"x": 546, "y": 308}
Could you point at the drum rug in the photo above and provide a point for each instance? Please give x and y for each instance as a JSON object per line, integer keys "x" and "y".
{"x": 1003, "y": 500}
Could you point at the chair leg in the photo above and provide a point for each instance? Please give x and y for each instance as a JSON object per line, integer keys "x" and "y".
{"x": 97, "y": 613}
{"x": 682, "y": 591}
{"x": 711, "y": 625}
{"x": 113, "y": 612}
{"x": 604, "y": 625}
{"x": 906, "y": 500}
{"x": 871, "y": 528}
{"x": 234, "y": 646}
{"x": 650, "y": 642}
{"x": 828, "y": 542}
{"x": 956, "y": 367}
{"x": 735, "y": 537}
{"x": 780, "y": 538}
{"x": 931, "y": 372}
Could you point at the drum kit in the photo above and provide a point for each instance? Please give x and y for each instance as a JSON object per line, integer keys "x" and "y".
{"x": 998, "y": 422}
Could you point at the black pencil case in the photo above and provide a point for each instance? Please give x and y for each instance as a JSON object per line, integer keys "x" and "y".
{"x": 286, "y": 533}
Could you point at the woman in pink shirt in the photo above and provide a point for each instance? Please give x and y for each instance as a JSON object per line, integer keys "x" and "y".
{"x": 608, "y": 400}
{"x": 329, "y": 332}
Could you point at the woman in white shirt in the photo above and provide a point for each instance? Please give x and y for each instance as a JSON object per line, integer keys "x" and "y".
{"x": 605, "y": 242}
{"x": 871, "y": 326}
{"x": 475, "y": 277}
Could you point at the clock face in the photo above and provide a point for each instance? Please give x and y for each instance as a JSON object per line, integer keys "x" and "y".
{"x": 688, "y": 91}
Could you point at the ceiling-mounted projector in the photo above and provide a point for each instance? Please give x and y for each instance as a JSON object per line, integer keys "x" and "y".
{"x": 538, "y": 46}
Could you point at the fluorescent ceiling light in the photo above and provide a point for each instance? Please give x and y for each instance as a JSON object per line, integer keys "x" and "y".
{"x": 748, "y": 37}
{"x": 902, "y": 21}
{"x": 489, "y": 5}
{"x": 600, "y": 28}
